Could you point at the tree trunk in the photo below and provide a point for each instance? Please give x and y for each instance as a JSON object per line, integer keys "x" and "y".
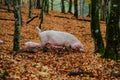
{"x": 82, "y": 8}
{"x": 76, "y": 9}
{"x": 8, "y": 2}
{"x": 63, "y": 6}
{"x": 103, "y": 9}
{"x": 42, "y": 14}
{"x": 70, "y": 6}
{"x": 38, "y": 4}
{"x": 95, "y": 27}
{"x": 112, "y": 50}
{"x": 30, "y": 8}
{"x": 46, "y": 6}
{"x": 51, "y": 4}
{"x": 89, "y": 12}
{"x": 16, "y": 44}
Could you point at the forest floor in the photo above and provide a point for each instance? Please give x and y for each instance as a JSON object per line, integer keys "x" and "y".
{"x": 51, "y": 65}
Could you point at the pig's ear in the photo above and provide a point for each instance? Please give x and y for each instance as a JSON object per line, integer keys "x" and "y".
{"x": 38, "y": 29}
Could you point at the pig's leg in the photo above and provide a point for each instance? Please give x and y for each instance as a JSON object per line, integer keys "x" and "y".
{"x": 57, "y": 46}
{"x": 45, "y": 48}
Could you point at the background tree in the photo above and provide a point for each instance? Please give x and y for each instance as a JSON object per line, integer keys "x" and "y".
{"x": 30, "y": 8}
{"x": 8, "y": 2}
{"x": 17, "y": 15}
{"x": 51, "y": 4}
{"x": 63, "y": 6}
{"x": 103, "y": 9}
{"x": 46, "y": 6}
{"x": 95, "y": 27}
{"x": 82, "y": 3}
{"x": 76, "y": 8}
{"x": 42, "y": 14}
{"x": 70, "y": 6}
{"x": 38, "y": 4}
{"x": 89, "y": 7}
{"x": 112, "y": 50}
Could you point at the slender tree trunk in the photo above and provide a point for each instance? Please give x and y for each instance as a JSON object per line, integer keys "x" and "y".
{"x": 103, "y": 9}
{"x": 41, "y": 1}
{"x": 16, "y": 44}
{"x": 51, "y": 4}
{"x": 89, "y": 12}
{"x": 70, "y": 6}
{"x": 30, "y": 8}
{"x": 19, "y": 2}
{"x": 0, "y": 3}
{"x": 42, "y": 14}
{"x": 5, "y": 2}
{"x": 8, "y": 2}
{"x": 63, "y": 6}
{"x": 112, "y": 50}
{"x": 82, "y": 8}
{"x": 38, "y": 4}
{"x": 76, "y": 9}
{"x": 95, "y": 27}
{"x": 46, "y": 6}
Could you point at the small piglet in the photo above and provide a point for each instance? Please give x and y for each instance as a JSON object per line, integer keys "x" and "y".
{"x": 31, "y": 44}
{"x": 58, "y": 39}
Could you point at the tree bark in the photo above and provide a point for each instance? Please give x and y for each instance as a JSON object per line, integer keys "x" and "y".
{"x": 112, "y": 50}
{"x": 51, "y": 4}
{"x": 38, "y": 4}
{"x": 70, "y": 6}
{"x": 30, "y": 8}
{"x": 42, "y": 14}
{"x": 103, "y": 9}
{"x": 63, "y": 6}
{"x": 8, "y": 2}
{"x": 89, "y": 12}
{"x": 46, "y": 6}
{"x": 76, "y": 9}
{"x": 16, "y": 44}
{"x": 95, "y": 27}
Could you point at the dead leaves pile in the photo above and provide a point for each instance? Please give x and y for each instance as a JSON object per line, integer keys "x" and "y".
{"x": 49, "y": 65}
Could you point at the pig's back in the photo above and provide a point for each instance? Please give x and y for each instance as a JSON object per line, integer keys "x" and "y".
{"x": 58, "y": 36}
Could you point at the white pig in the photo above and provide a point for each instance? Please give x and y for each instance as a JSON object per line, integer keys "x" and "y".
{"x": 31, "y": 44}
{"x": 59, "y": 39}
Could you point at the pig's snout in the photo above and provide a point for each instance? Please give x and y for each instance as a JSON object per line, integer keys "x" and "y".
{"x": 81, "y": 49}
{"x": 77, "y": 46}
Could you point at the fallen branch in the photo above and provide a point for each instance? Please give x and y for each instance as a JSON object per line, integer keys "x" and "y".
{"x": 82, "y": 73}
{"x": 78, "y": 73}
{"x": 6, "y": 19}
{"x": 31, "y": 19}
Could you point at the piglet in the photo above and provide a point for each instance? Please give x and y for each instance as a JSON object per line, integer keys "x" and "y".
{"x": 59, "y": 39}
{"x": 31, "y": 44}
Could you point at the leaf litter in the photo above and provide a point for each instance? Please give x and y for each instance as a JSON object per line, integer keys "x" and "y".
{"x": 51, "y": 65}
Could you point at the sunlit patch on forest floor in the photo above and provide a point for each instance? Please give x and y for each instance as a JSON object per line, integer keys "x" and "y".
{"x": 52, "y": 65}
